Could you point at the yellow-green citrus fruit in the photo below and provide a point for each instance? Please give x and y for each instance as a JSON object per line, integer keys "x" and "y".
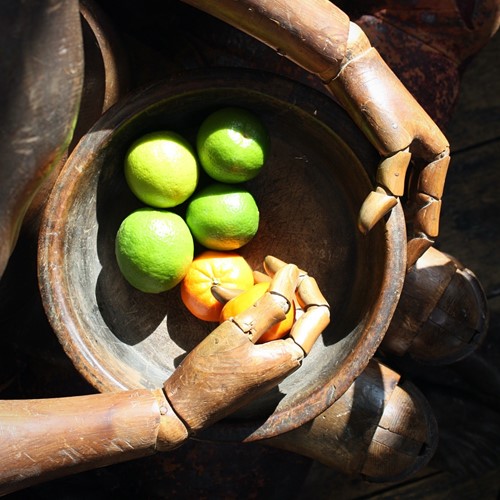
{"x": 223, "y": 216}
{"x": 154, "y": 249}
{"x": 161, "y": 169}
{"x": 232, "y": 145}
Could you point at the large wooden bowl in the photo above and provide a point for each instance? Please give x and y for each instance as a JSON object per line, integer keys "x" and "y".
{"x": 319, "y": 172}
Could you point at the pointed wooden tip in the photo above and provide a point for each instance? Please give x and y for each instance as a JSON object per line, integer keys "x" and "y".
{"x": 376, "y": 205}
{"x": 224, "y": 294}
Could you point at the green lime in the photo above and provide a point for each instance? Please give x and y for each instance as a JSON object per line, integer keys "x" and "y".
{"x": 232, "y": 145}
{"x": 223, "y": 216}
{"x": 154, "y": 249}
{"x": 161, "y": 169}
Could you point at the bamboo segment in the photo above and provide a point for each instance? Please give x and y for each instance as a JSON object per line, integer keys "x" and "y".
{"x": 313, "y": 34}
{"x": 442, "y": 315}
{"x": 375, "y": 206}
{"x": 49, "y": 438}
{"x": 381, "y": 428}
{"x": 392, "y": 171}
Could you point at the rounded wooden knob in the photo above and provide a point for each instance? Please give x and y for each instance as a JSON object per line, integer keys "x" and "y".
{"x": 405, "y": 438}
{"x": 442, "y": 315}
{"x": 382, "y": 428}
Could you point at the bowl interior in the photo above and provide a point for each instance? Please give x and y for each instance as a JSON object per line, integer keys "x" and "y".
{"x": 319, "y": 171}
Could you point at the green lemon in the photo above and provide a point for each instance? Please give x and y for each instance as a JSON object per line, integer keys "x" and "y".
{"x": 154, "y": 249}
{"x": 161, "y": 169}
{"x": 223, "y": 216}
{"x": 232, "y": 145}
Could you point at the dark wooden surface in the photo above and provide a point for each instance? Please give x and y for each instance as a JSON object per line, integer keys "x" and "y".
{"x": 465, "y": 396}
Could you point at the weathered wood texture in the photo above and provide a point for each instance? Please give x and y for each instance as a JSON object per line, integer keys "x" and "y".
{"x": 442, "y": 315}
{"x": 464, "y": 396}
{"x": 40, "y": 89}
{"x": 439, "y": 38}
{"x": 355, "y": 73}
{"x": 44, "y": 439}
{"x": 93, "y": 310}
{"x": 382, "y": 429}
{"x": 104, "y": 80}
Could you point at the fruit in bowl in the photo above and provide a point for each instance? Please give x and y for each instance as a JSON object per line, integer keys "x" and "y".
{"x": 317, "y": 174}
{"x": 161, "y": 169}
{"x": 154, "y": 249}
{"x": 223, "y": 216}
{"x": 232, "y": 144}
{"x": 226, "y": 269}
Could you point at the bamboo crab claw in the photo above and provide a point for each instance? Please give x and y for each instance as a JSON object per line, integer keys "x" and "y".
{"x": 227, "y": 370}
{"x": 319, "y": 37}
{"x": 315, "y": 310}
{"x": 404, "y": 135}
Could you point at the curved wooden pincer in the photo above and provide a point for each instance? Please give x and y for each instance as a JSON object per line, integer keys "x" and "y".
{"x": 224, "y": 372}
{"x": 314, "y": 309}
{"x": 320, "y": 38}
{"x": 227, "y": 370}
{"x": 403, "y": 133}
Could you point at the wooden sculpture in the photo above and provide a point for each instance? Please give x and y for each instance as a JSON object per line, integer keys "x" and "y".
{"x": 319, "y": 37}
{"x": 442, "y": 315}
{"x": 382, "y": 428}
{"x": 40, "y": 93}
{"x": 396, "y": 433}
{"x": 43, "y": 439}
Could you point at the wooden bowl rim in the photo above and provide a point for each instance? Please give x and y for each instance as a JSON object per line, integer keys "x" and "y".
{"x": 58, "y": 305}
